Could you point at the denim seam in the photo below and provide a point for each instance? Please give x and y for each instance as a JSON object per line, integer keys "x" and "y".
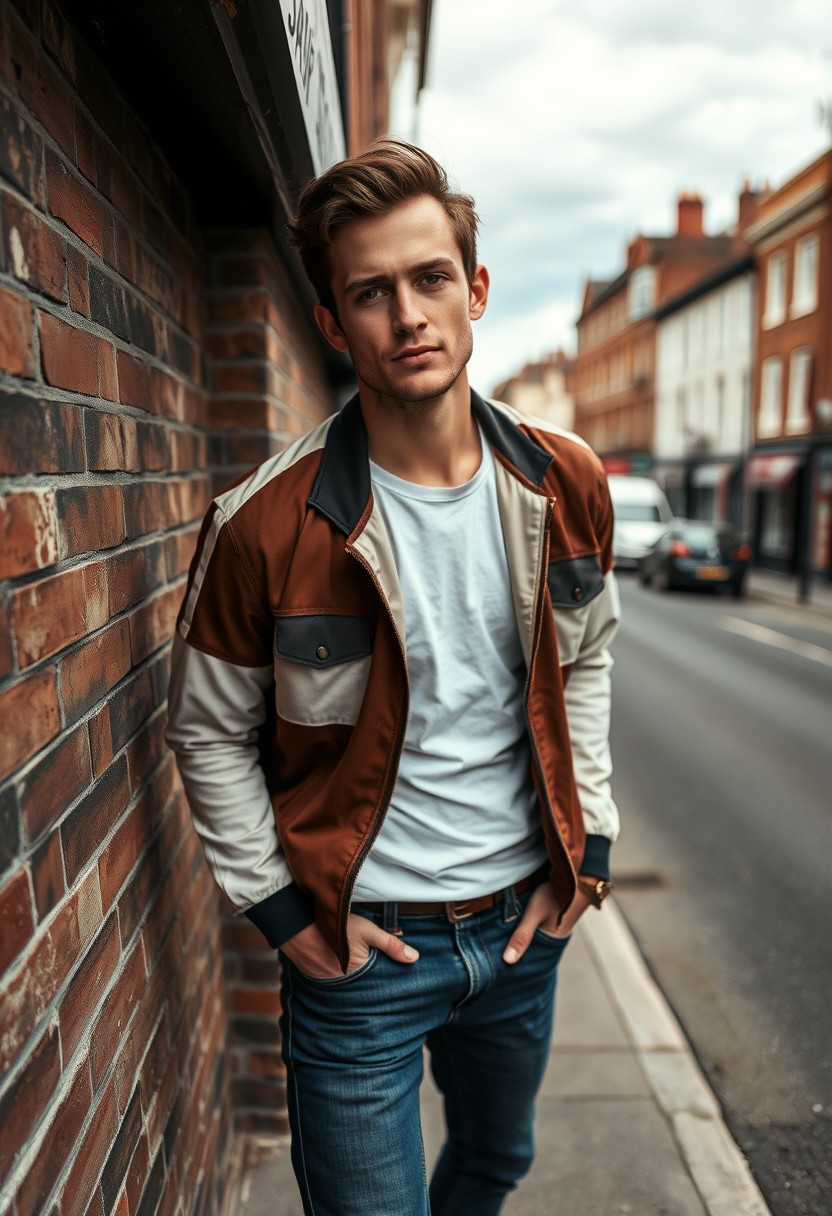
{"x": 296, "y": 1097}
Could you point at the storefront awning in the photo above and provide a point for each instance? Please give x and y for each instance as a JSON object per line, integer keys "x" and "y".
{"x": 772, "y": 471}
{"x": 711, "y": 474}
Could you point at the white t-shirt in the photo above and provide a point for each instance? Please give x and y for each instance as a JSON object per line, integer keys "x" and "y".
{"x": 462, "y": 821}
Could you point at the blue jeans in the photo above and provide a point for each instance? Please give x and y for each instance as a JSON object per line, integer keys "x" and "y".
{"x": 353, "y": 1049}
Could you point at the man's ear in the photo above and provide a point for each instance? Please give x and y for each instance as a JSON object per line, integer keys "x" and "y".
{"x": 479, "y": 293}
{"x": 330, "y": 328}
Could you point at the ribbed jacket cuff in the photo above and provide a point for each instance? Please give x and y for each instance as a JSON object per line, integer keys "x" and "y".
{"x": 596, "y": 862}
{"x": 283, "y": 914}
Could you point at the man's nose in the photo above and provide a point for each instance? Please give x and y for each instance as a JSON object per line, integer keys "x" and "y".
{"x": 408, "y": 314}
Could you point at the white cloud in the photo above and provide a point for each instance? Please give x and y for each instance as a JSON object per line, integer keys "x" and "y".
{"x": 574, "y": 129}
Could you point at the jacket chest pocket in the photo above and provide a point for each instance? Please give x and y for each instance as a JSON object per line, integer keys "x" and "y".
{"x": 573, "y": 582}
{"x": 321, "y": 667}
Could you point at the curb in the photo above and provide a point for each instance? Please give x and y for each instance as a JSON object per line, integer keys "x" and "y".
{"x": 718, "y": 1169}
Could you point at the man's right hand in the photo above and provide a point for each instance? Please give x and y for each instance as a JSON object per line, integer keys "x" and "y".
{"x": 310, "y": 953}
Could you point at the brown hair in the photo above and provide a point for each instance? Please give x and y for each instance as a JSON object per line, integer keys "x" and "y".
{"x": 388, "y": 173}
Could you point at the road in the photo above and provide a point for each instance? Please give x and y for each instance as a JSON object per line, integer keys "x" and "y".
{"x": 722, "y": 745}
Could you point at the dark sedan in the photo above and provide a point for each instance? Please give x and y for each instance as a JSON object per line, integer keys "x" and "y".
{"x": 693, "y": 553}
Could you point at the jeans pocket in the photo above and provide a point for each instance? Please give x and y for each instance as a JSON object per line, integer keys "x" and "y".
{"x": 550, "y": 939}
{"x": 333, "y": 981}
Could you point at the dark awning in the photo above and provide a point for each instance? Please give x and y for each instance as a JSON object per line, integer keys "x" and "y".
{"x": 772, "y": 471}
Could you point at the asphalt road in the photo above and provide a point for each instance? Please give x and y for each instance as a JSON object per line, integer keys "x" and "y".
{"x": 722, "y": 745}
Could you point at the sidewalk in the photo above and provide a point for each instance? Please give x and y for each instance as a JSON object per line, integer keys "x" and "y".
{"x": 783, "y": 589}
{"x": 626, "y": 1121}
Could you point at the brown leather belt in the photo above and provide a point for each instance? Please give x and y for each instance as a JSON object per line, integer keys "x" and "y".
{"x": 459, "y": 909}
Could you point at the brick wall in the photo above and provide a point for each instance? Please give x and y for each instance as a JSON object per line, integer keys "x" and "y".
{"x": 114, "y": 1011}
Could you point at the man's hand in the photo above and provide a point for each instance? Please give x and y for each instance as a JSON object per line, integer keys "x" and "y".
{"x": 542, "y": 913}
{"x": 310, "y": 953}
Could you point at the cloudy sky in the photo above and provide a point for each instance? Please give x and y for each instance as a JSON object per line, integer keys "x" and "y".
{"x": 575, "y": 126}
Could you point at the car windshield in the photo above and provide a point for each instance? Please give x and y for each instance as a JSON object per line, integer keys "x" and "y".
{"x": 640, "y": 512}
{"x": 700, "y": 535}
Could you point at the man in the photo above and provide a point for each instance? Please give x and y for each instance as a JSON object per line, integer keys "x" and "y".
{"x": 390, "y": 705}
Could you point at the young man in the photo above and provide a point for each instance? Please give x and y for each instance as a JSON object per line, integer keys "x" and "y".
{"x": 390, "y": 706}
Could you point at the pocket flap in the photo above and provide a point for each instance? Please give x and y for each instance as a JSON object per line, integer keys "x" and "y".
{"x": 322, "y": 640}
{"x": 575, "y": 581}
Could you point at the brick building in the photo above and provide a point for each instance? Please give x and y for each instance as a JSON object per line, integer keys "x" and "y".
{"x": 543, "y": 390}
{"x": 790, "y": 472}
{"x": 154, "y": 342}
{"x": 615, "y": 367}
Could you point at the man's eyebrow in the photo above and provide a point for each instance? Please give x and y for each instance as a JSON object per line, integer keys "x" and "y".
{"x": 373, "y": 280}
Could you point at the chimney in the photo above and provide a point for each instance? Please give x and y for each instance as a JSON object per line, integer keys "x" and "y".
{"x": 690, "y": 210}
{"x": 749, "y": 202}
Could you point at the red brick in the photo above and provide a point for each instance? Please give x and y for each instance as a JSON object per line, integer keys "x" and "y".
{"x": 41, "y": 87}
{"x": 16, "y": 917}
{"x": 78, "y": 284}
{"x": 6, "y": 656}
{"x": 49, "y": 615}
{"x": 32, "y": 985}
{"x": 123, "y": 851}
{"x": 136, "y": 1176}
{"x": 28, "y": 532}
{"x": 152, "y": 624}
{"x": 35, "y": 253}
{"x": 32, "y": 704}
{"x": 57, "y": 1145}
{"x": 134, "y": 381}
{"x": 88, "y": 985}
{"x": 255, "y": 1000}
{"x": 132, "y": 576}
{"x": 145, "y": 507}
{"x": 85, "y": 141}
{"x": 121, "y": 1151}
{"x": 27, "y": 1097}
{"x": 147, "y": 750}
{"x": 17, "y": 353}
{"x": 21, "y": 152}
{"x": 243, "y": 413}
{"x": 90, "y": 1156}
{"x": 54, "y": 783}
{"x": 91, "y": 518}
{"x": 115, "y": 1014}
{"x": 48, "y": 876}
{"x": 101, "y": 740}
{"x": 39, "y": 436}
{"x": 85, "y": 829}
{"x": 71, "y": 200}
{"x": 179, "y": 551}
{"x": 70, "y": 356}
{"x": 168, "y": 396}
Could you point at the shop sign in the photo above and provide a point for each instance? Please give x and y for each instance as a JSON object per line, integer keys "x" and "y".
{"x": 307, "y": 31}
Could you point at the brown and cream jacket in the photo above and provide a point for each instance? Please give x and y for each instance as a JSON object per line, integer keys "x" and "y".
{"x": 289, "y": 686}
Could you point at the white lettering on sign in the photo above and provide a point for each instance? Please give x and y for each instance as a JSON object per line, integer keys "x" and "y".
{"x": 307, "y": 31}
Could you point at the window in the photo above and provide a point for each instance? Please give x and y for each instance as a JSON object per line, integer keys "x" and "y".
{"x": 805, "y": 294}
{"x": 775, "y": 291}
{"x": 800, "y": 371}
{"x": 771, "y": 395}
{"x": 642, "y": 289}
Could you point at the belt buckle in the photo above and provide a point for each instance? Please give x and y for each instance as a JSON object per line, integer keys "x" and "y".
{"x": 454, "y": 911}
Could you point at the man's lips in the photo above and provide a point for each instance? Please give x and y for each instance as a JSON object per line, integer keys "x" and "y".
{"x": 415, "y": 355}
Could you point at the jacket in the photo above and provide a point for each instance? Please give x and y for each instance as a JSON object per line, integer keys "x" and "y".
{"x": 289, "y": 687}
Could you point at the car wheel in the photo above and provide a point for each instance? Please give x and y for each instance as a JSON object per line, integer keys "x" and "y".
{"x": 644, "y": 577}
{"x": 663, "y": 582}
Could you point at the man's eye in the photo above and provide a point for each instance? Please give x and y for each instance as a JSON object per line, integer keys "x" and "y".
{"x": 372, "y": 293}
{"x": 433, "y": 280}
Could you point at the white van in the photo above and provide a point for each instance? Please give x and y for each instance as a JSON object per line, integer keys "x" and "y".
{"x": 642, "y": 514}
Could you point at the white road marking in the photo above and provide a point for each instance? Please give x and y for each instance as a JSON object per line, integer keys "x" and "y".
{"x": 770, "y": 637}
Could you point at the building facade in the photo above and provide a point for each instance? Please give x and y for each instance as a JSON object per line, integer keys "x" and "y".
{"x": 790, "y": 473}
{"x": 155, "y": 341}
{"x": 542, "y": 390}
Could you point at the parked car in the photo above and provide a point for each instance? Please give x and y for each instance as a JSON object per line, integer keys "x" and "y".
{"x": 641, "y": 513}
{"x": 694, "y": 553}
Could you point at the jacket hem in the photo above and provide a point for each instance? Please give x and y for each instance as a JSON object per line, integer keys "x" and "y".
{"x": 596, "y": 862}
{"x": 283, "y": 914}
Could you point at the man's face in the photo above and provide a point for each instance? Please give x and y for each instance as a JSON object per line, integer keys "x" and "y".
{"x": 404, "y": 303}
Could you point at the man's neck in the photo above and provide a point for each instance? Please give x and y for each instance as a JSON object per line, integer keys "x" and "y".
{"x": 431, "y": 443}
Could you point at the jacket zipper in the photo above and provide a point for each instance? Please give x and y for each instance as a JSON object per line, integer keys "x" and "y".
{"x": 532, "y": 657}
{"x": 384, "y": 801}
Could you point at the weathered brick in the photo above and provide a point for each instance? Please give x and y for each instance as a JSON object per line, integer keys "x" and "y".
{"x": 35, "y": 253}
{"x": 54, "y": 612}
{"x": 145, "y": 508}
{"x": 90, "y": 1155}
{"x": 33, "y": 705}
{"x": 115, "y": 1014}
{"x": 17, "y": 922}
{"x": 137, "y": 1172}
{"x": 38, "y": 977}
{"x": 27, "y": 1097}
{"x": 132, "y": 576}
{"x": 39, "y": 436}
{"x": 58, "y": 1143}
{"x": 138, "y": 895}
{"x": 77, "y": 360}
{"x": 179, "y": 551}
{"x": 72, "y": 201}
{"x": 41, "y": 86}
{"x": 9, "y": 827}
{"x": 28, "y": 532}
{"x": 118, "y": 309}
{"x": 146, "y": 751}
{"x": 151, "y": 625}
{"x": 48, "y": 876}
{"x": 134, "y": 381}
{"x": 54, "y": 783}
{"x": 153, "y": 1188}
{"x": 21, "y": 152}
{"x": 78, "y": 286}
{"x": 121, "y": 1152}
{"x": 155, "y": 446}
{"x": 90, "y": 672}
{"x": 101, "y": 740}
{"x": 88, "y": 985}
{"x": 255, "y": 1001}
{"x": 124, "y": 850}
{"x": 91, "y": 518}
{"x": 85, "y": 829}
{"x": 17, "y": 352}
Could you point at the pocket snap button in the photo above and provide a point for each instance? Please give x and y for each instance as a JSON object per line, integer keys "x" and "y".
{"x": 577, "y": 594}
{"x": 322, "y": 652}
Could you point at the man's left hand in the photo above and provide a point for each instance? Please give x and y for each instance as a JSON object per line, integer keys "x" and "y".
{"x": 542, "y": 912}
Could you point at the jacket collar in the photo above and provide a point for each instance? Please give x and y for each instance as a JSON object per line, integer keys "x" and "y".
{"x": 342, "y": 486}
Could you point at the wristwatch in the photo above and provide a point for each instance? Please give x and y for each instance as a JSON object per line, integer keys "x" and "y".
{"x": 595, "y": 889}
